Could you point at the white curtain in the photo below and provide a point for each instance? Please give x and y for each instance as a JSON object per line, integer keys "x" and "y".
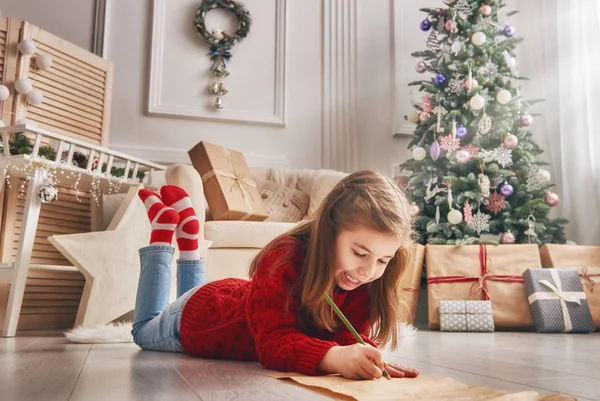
{"x": 561, "y": 55}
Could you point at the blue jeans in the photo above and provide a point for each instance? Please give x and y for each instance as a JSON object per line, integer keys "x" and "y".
{"x": 155, "y": 322}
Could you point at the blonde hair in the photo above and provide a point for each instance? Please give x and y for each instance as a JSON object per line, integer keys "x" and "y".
{"x": 362, "y": 199}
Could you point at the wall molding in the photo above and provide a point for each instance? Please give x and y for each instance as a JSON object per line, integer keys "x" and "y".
{"x": 156, "y": 106}
{"x": 163, "y": 155}
{"x": 339, "y": 119}
{"x": 402, "y": 127}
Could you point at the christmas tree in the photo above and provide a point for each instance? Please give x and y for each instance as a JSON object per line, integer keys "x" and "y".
{"x": 475, "y": 168}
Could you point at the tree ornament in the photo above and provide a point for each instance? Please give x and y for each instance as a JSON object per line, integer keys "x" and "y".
{"x": 424, "y": 116}
{"x": 486, "y": 10}
{"x": 471, "y": 84}
{"x": 421, "y": 67}
{"x": 480, "y": 222}
{"x": 425, "y": 25}
{"x": 437, "y": 214}
{"x": 496, "y": 203}
{"x": 472, "y": 149}
{"x": 413, "y": 116}
{"x": 440, "y": 79}
{"x": 456, "y": 47}
{"x": 544, "y": 175}
{"x": 551, "y": 199}
{"x": 451, "y": 26}
{"x": 43, "y": 61}
{"x": 434, "y": 150}
{"x": 220, "y": 42}
{"x": 463, "y": 8}
{"x": 478, "y": 38}
{"x": 463, "y": 156}
{"x": 462, "y": 131}
{"x": 414, "y": 210}
{"x": 510, "y": 141}
{"x": 454, "y": 217}
{"x": 23, "y": 86}
{"x": 508, "y": 238}
{"x": 426, "y": 104}
{"x": 477, "y": 102}
{"x": 433, "y": 42}
{"x": 4, "y": 93}
{"x": 485, "y": 124}
{"x": 489, "y": 71}
{"x": 431, "y": 192}
{"x": 507, "y": 190}
{"x": 35, "y": 97}
{"x": 530, "y": 232}
{"x": 509, "y": 31}
{"x": 484, "y": 185}
{"x": 456, "y": 86}
{"x": 468, "y": 212}
{"x": 419, "y": 153}
{"x": 526, "y": 120}
{"x": 503, "y": 96}
{"x": 503, "y": 156}
{"x": 47, "y": 193}
{"x": 449, "y": 143}
{"x": 439, "y": 111}
{"x": 27, "y": 47}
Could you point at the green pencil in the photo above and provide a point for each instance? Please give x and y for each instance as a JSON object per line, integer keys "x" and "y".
{"x": 349, "y": 326}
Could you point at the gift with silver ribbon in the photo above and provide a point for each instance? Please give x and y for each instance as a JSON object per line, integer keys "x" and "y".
{"x": 557, "y": 300}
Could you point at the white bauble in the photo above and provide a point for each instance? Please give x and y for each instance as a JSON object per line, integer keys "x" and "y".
{"x": 477, "y": 102}
{"x": 4, "y": 93}
{"x": 35, "y": 97}
{"x": 454, "y": 217}
{"x": 413, "y": 116}
{"x": 43, "y": 61}
{"x": 545, "y": 175}
{"x": 23, "y": 86}
{"x": 503, "y": 96}
{"x": 478, "y": 38}
{"x": 419, "y": 153}
{"x": 27, "y": 47}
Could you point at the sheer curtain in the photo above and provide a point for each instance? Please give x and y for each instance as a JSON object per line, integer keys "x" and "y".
{"x": 561, "y": 55}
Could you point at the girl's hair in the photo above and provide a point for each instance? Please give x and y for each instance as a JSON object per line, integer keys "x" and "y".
{"x": 362, "y": 199}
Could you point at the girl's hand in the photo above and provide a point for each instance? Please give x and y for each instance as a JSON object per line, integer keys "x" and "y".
{"x": 357, "y": 361}
{"x": 398, "y": 371}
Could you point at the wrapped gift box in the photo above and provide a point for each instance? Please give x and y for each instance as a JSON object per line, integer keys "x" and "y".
{"x": 558, "y": 302}
{"x": 555, "y": 255}
{"x": 479, "y": 272}
{"x": 229, "y": 188}
{"x": 410, "y": 283}
{"x": 474, "y": 316}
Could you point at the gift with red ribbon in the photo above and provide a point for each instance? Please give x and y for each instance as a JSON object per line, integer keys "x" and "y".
{"x": 480, "y": 272}
{"x": 410, "y": 283}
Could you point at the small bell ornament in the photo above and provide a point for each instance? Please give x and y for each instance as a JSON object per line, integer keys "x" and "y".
{"x": 48, "y": 193}
{"x": 218, "y": 104}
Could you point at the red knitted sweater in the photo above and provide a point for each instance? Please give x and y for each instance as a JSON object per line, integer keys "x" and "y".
{"x": 247, "y": 319}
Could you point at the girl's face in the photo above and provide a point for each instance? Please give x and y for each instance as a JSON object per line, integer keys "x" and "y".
{"x": 361, "y": 256}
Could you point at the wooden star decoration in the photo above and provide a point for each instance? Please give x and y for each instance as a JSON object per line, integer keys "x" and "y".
{"x": 110, "y": 262}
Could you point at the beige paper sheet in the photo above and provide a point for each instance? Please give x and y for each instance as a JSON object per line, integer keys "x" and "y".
{"x": 421, "y": 388}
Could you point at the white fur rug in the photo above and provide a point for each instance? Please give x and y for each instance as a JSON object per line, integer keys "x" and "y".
{"x": 110, "y": 333}
{"x": 121, "y": 333}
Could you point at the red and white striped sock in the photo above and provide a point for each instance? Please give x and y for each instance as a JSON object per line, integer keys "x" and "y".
{"x": 188, "y": 228}
{"x": 163, "y": 219}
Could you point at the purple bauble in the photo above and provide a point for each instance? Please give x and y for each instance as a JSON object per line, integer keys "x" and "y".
{"x": 509, "y": 31}
{"x": 425, "y": 25}
{"x": 507, "y": 190}
{"x": 440, "y": 79}
{"x": 461, "y": 131}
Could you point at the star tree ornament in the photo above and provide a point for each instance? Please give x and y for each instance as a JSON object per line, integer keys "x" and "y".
{"x": 496, "y": 203}
{"x": 220, "y": 42}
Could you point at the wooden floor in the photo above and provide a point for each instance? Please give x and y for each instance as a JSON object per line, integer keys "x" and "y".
{"x": 51, "y": 368}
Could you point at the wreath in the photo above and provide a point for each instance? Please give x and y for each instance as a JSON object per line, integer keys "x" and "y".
{"x": 221, "y": 42}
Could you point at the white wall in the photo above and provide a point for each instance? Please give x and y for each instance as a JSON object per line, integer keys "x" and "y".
{"x": 72, "y": 20}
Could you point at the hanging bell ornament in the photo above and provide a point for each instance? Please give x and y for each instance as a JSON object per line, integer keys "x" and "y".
{"x": 218, "y": 104}
{"x": 48, "y": 194}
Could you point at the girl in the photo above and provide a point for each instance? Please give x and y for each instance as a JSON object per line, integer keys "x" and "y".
{"x": 354, "y": 249}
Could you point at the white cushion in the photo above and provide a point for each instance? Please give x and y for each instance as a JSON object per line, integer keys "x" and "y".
{"x": 243, "y": 234}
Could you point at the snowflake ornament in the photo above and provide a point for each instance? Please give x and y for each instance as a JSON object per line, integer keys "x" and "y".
{"x": 503, "y": 156}
{"x": 472, "y": 149}
{"x": 445, "y": 56}
{"x": 496, "y": 203}
{"x": 480, "y": 222}
{"x": 449, "y": 143}
{"x": 456, "y": 86}
{"x": 489, "y": 71}
{"x": 468, "y": 213}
